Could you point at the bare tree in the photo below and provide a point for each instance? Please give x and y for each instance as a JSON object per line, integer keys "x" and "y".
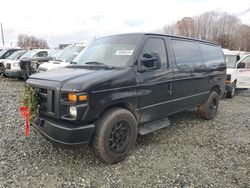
{"x": 30, "y": 42}
{"x": 222, "y": 28}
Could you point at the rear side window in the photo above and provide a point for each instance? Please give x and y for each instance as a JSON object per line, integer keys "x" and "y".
{"x": 187, "y": 54}
{"x": 212, "y": 55}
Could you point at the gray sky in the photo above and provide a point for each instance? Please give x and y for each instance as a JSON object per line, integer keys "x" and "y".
{"x": 61, "y": 21}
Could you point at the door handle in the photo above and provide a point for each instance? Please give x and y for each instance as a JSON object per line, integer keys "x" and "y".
{"x": 170, "y": 88}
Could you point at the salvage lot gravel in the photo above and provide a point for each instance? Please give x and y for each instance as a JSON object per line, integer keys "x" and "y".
{"x": 190, "y": 153}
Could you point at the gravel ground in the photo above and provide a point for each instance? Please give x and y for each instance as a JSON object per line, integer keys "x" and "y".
{"x": 190, "y": 153}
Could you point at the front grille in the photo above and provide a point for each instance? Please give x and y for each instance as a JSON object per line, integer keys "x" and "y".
{"x": 8, "y": 66}
{"x": 46, "y": 101}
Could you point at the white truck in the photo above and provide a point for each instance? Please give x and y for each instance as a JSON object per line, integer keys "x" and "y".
{"x": 64, "y": 59}
{"x": 238, "y": 75}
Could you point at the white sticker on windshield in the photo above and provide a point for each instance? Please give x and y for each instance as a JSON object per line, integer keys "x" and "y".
{"x": 124, "y": 52}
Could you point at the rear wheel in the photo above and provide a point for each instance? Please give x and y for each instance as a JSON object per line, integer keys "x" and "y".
{"x": 208, "y": 109}
{"x": 116, "y": 133}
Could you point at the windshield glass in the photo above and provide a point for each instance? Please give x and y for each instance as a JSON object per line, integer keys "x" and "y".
{"x": 114, "y": 51}
{"x": 29, "y": 54}
{"x": 2, "y": 52}
{"x": 231, "y": 60}
{"x": 69, "y": 53}
{"x": 17, "y": 54}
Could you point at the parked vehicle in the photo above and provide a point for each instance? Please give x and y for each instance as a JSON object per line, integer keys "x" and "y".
{"x": 124, "y": 85}
{"x": 13, "y": 69}
{"x": 7, "y": 52}
{"x": 238, "y": 76}
{"x": 31, "y": 60}
{"x": 64, "y": 59}
{"x": 12, "y": 60}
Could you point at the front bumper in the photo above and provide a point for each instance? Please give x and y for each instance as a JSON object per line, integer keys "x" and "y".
{"x": 9, "y": 73}
{"x": 63, "y": 133}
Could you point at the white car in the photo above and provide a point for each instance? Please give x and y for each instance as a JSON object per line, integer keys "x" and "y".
{"x": 238, "y": 76}
{"x": 64, "y": 59}
{"x": 12, "y": 59}
{"x": 13, "y": 68}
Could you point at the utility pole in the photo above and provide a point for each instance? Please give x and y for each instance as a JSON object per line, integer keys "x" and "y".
{"x": 2, "y": 33}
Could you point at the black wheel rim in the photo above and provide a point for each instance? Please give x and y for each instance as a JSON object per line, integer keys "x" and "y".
{"x": 213, "y": 106}
{"x": 119, "y": 136}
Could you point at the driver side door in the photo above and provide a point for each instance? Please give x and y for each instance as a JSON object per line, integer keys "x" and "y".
{"x": 154, "y": 81}
{"x": 243, "y": 73}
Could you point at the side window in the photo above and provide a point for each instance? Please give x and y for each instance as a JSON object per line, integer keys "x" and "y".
{"x": 42, "y": 54}
{"x": 212, "y": 55}
{"x": 246, "y": 61}
{"x": 187, "y": 54}
{"x": 156, "y": 45}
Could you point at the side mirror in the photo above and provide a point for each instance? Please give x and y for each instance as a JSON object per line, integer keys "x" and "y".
{"x": 149, "y": 62}
{"x": 241, "y": 65}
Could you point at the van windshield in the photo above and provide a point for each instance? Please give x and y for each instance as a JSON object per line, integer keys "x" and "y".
{"x": 231, "y": 60}
{"x": 113, "y": 51}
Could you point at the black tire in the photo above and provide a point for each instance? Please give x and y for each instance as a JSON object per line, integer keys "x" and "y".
{"x": 208, "y": 110}
{"x": 116, "y": 133}
{"x": 231, "y": 93}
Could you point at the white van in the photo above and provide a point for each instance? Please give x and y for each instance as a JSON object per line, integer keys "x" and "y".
{"x": 238, "y": 76}
{"x": 64, "y": 59}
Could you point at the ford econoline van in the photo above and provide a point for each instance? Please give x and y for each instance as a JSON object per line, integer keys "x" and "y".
{"x": 124, "y": 85}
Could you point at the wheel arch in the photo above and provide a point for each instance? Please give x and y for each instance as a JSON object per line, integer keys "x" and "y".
{"x": 125, "y": 105}
{"x": 216, "y": 88}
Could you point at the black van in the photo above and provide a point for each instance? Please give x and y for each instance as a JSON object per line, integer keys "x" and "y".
{"x": 124, "y": 85}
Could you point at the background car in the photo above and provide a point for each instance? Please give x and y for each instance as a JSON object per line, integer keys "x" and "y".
{"x": 64, "y": 58}
{"x": 13, "y": 58}
{"x": 31, "y": 60}
{"x": 18, "y": 68}
{"x": 7, "y": 52}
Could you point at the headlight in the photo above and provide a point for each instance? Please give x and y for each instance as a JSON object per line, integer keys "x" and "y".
{"x": 73, "y": 111}
{"x": 15, "y": 64}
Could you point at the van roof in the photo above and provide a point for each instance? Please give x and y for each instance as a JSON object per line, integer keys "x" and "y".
{"x": 160, "y": 34}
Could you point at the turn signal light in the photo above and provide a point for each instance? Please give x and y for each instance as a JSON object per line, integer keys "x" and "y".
{"x": 74, "y": 98}
{"x": 83, "y": 97}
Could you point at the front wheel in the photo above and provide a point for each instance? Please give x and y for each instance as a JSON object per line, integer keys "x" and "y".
{"x": 208, "y": 109}
{"x": 116, "y": 133}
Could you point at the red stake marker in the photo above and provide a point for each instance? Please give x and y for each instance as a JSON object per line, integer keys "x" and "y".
{"x": 26, "y": 115}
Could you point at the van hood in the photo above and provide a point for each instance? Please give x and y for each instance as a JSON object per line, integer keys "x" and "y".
{"x": 83, "y": 79}
{"x": 61, "y": 75}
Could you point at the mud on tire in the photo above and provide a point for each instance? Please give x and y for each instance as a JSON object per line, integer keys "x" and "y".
{"x": 208, "y": 109}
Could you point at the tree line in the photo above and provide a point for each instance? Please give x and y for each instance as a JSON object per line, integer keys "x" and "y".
{"x": 30, "y": 42}
{"x": 222, "y": 28}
